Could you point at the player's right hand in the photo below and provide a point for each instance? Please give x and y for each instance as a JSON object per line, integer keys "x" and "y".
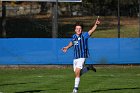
{"x": 64, "y": 49}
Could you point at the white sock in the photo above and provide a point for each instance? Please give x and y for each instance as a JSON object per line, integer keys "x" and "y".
{"x": 77, "y": 81}
{"x": 84, "y": 70}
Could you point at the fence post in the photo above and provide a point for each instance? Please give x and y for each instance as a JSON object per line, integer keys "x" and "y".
{"x": 139, "y": 17}
{"x": 55, "y": 20}
{"x": 3, "y": 18}
{"x": 118, "y": 18}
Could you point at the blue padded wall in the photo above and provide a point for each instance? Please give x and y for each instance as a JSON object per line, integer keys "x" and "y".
{"x": 32, "y": 51}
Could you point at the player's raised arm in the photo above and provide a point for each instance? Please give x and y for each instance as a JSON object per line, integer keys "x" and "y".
{"x": 64, "y": 49}
{"x": 94, "y": 27}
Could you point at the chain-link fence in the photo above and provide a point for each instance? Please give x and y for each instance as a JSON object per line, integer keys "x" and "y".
{"x": 50, "y": 19}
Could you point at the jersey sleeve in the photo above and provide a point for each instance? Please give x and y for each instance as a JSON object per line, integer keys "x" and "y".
{"x": 86, "y": 35}
{"x": 72, "y": 39}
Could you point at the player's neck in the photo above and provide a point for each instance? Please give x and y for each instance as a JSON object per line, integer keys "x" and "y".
{"x": 78, "y": 35}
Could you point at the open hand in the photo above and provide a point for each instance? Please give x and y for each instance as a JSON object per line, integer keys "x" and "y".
{"x": 64, "y": 49}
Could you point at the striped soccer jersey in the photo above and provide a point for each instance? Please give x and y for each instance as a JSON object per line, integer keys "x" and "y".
{"x": 80, "y": 44}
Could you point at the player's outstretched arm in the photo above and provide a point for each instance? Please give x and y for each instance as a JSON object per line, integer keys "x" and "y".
{"x": 64, "y": 49}
{"x": 94, "y": 27}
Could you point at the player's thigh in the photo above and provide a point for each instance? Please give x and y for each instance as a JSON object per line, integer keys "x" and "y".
{"x": 78, "y": 63}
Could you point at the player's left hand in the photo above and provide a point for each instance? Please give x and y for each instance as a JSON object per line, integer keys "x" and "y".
{"x": 97, "y": 21}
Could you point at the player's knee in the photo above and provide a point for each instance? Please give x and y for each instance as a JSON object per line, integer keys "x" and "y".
{"x": 77, "y": 72}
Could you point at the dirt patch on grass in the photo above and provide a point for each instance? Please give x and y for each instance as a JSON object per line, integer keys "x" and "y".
{"x": 63, "y": 66}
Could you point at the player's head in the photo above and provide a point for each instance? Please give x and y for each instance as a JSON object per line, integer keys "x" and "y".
{"x": 78, "y": 28}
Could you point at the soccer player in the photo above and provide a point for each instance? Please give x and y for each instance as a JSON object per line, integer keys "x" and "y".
{"x": 80, "y": 43}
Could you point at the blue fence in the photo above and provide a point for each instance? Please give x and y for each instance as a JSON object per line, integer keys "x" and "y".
{"x": 15, "y": 51}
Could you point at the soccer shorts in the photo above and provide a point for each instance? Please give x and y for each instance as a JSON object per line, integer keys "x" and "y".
{"x": 78, "y": 63}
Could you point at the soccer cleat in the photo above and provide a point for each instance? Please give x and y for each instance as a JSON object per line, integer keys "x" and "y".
{"x": 74, "y": 91}
{"x": 92, "y": 68}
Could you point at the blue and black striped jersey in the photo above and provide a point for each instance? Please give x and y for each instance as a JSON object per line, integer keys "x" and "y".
{"x": 80, "y": 44}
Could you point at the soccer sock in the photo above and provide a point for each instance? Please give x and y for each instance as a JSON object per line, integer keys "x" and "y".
{"x": 77, "y": 81}
{"x": 84, "y": 70}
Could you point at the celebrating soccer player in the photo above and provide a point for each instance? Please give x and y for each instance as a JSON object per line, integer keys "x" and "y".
{"x": 80, "y": 43}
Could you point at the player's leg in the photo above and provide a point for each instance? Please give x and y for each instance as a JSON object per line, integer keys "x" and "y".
{"x": 86, "y": 69}
{"x": 77, "y": 80}
{"x": 91, "y": 67}
{"x": 77, "y": 65}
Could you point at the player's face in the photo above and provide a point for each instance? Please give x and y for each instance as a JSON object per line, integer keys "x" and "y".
{"x": 78, "y": 30}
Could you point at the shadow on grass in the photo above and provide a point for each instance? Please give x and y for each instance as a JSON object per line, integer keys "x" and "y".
{"x": 15, "y": 83}
{"x": 26, "y": 27}
{"x": 66, "y": 31}
{"x": 33, "y": 91}
{"x": 103, "y": 90}
{"x": 32, "y": 27}
{"x": 30, "y": 91}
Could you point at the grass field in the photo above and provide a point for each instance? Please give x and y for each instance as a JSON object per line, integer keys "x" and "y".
{"x": 107, "y": 79}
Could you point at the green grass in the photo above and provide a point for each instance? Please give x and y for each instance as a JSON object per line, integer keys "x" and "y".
{"x": 125, "y": 32}
{"x": 107, "y": 79}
